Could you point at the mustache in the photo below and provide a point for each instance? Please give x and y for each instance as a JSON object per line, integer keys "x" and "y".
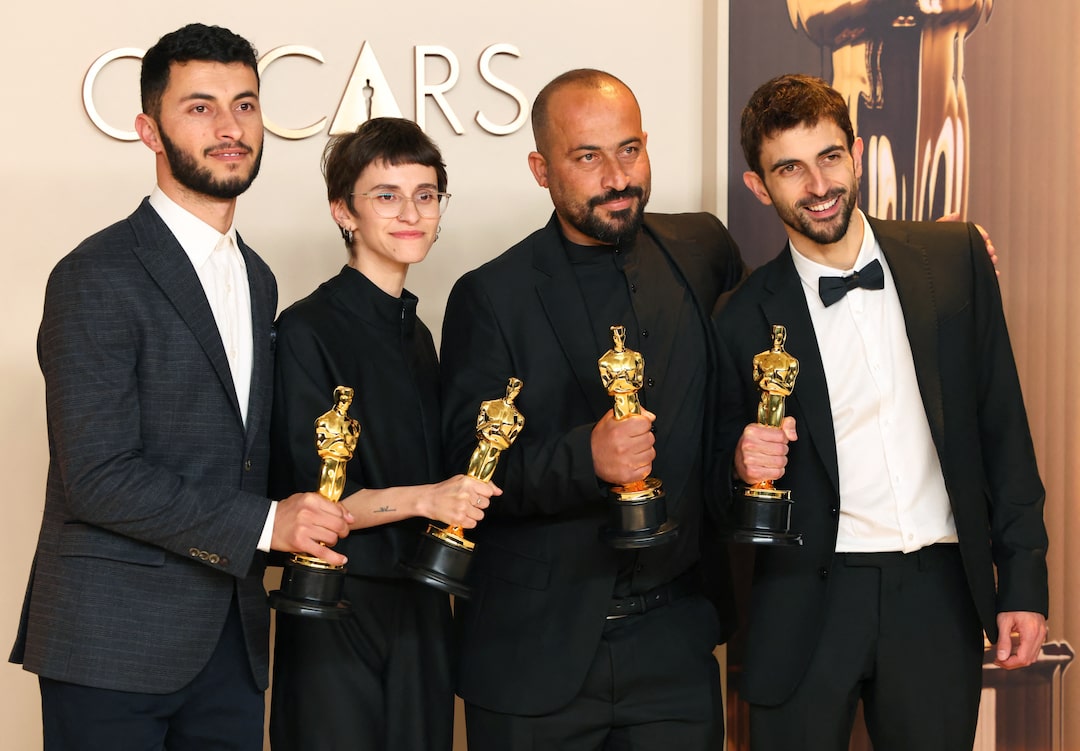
{"x": 226, "y": 146}
{"x": 630, "y": 191}
{"x": 834, "y": 193}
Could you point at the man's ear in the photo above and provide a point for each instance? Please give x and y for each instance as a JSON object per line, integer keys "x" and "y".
{"x": 856, "y": 157}
{"x": 148, "y": 132}
{"x": 538, "y": 166}
{"x": 756, "y": 185}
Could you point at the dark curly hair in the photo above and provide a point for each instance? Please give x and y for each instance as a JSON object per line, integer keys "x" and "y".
{"x": 786, "y": 102}
{"x": 195, "y": 41}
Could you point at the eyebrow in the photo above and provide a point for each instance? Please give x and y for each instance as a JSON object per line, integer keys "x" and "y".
{"x": 390, "y": 186}
{"x": 588, "y": 147}
{"x": 198, "y": 95}
{"x": 827, "y": 150}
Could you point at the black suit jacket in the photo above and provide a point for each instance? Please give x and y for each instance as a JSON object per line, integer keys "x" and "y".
{"x": 542, "y": 580}
{"x": 970, "y": 391}
{"x": 156, "y": 491}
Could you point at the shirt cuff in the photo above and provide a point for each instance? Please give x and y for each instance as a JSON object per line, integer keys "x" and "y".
{"x": 268, "y": 528}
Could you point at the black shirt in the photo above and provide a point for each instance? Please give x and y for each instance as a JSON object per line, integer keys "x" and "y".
{"x": 349, "y": 332}
{"x": 636, "y": 285}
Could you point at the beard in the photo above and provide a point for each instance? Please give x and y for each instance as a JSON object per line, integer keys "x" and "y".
{"x": 620, "y": 227}
{"x": 823, "y": 233}
{"x": 200, "y": 179}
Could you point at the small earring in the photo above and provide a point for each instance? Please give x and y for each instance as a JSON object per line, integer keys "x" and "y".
{"x": 346, "y": 234}
{"x": 437, "y": 231}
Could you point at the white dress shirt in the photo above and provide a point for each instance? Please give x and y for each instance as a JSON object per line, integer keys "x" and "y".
{"x": 892, "y": 492}
{"x": 222, "y": 272}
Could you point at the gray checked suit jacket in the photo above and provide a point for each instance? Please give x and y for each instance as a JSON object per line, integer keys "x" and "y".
{"x": 156, "y": 492}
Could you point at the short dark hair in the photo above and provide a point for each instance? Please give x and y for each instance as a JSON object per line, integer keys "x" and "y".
{"x": 195, "y": 41}
{"x": 790, "y": 101}
{"x": 389, "y": 140}
{"x": 583, "y": 77}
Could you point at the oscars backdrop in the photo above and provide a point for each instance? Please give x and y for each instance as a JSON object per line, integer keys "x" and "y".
{"x": 967, "y": 107}
{"x": 465, "y": 70}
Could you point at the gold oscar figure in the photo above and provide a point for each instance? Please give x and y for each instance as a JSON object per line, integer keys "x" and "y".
{"x": 637, "y": 510}
{"x": 763, "y": 512}
{"x": 443, "y": 556}
{"x": 310, "y": 585}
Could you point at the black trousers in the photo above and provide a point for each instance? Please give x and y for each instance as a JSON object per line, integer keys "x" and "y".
{"x": 901, "y": 633}
{"x": 653, "y": 684}
{"x": 377, "y": 680}
{"x": 221, "y": 709}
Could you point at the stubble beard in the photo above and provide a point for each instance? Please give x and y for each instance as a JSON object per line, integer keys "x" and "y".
{"x": 823, "y": 234}
{"x": 620, "y": 227}
{"x": 186, "y": 170}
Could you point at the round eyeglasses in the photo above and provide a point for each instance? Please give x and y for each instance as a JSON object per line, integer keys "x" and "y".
{"x": 389, "y": 203}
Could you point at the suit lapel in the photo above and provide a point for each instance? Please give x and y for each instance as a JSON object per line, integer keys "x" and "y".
{"x": 786, "y": 305}
{"x": 561, "y": 299}
{"x": 910, "y": 267}
{"x": 262, "y": 353}
{"x": 678, "y": 254}
{"x": 168, "y": 265}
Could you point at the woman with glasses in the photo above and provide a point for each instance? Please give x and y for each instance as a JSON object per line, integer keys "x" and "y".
{"x": 379, "y": 677}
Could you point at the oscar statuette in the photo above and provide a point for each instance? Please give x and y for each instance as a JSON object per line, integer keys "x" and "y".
{"x": 443, "y": 556}
{"x": 762, "y": 512}
{"x": 637, "y": 511}
{"x": 309, "y": 585}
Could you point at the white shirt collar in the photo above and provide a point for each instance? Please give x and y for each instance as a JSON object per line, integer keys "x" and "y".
{"x": 810, "y": 271}
{"x": 196, "y": 237}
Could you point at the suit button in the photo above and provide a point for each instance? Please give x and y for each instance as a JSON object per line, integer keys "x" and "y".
{"x": 823, "y": 572}
{"x": 214, "y": 558}
{"x": 247, "y": 465}
{"x": 223, "y": 561}
{"x": 203, "y": 555}
{"x": 651, "y": 382}
{"x": 644, "y": 333}
{"x": 834, "y": 511}
{"x": 194, "y": 552}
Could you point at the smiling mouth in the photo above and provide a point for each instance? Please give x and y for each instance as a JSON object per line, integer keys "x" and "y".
{"x": 822, "y": 206}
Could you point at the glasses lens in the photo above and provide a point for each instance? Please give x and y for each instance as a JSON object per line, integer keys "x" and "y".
{"x": 428, "y": 203}
{"x": 386, "y": 203}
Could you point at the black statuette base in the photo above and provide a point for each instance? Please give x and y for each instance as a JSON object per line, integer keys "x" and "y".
{"x": 638, "y": 522}
{"x": 763, "y": 517}
{"x": 313, "y": 592}
{"x": 441, "y": 564}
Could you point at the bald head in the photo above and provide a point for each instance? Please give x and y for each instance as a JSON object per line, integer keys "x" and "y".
{"x": 591, "y": 157}
{"x": 582, "y": 80}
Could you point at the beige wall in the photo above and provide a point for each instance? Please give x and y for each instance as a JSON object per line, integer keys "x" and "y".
{"x": 63, "y": 179}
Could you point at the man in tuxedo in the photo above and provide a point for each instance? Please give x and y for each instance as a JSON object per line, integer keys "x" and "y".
{"x": 567, "y": 642}
{"x": 145, "y": 617}
{"x": 906, "y": 449}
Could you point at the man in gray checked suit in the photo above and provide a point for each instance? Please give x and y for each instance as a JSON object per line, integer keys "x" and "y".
{"x": 145, "y": 616}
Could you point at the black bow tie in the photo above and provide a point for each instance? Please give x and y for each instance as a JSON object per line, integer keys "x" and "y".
{"x": 832, "y": 288}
